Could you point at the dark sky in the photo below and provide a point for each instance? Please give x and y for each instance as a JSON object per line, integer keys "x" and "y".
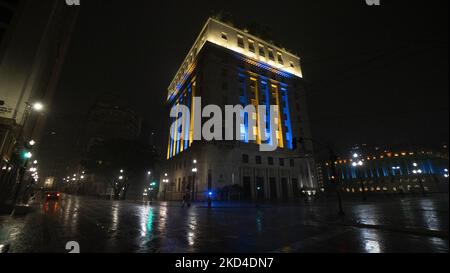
{"x": 378, "y": 75}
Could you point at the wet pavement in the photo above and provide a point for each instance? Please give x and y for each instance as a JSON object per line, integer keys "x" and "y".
{"x": 409, "y": 224}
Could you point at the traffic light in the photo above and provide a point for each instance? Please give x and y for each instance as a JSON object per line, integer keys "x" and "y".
{"x": 26, "y": 154}
{"x": 153, "y": 183}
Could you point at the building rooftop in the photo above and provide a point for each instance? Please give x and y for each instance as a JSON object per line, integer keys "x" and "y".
{"x": 254, "y": 50}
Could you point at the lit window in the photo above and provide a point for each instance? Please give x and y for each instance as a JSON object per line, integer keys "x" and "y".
{"x": 271, "y": 56}
{"x": 280, "y": 58}
{"x": 224, "y": 36}
{"x": 240, "y": 41}
{"x": 255, "y": 130}
{"x": 261, "y": 51}
{"x": 251, "y": 46}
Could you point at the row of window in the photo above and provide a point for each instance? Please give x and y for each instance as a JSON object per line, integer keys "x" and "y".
{"x": 261, "y": 49}
{"x": 270, "y": 160}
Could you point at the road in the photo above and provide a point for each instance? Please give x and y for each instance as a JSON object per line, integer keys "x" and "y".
{"x": 410, "y": 224}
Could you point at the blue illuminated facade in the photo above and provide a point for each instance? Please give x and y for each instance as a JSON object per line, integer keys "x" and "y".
{"x": 392, "y": 172}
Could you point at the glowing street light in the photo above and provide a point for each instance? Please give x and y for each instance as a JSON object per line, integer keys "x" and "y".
{"x": 360, "y": 163}
{"x": 32, "y": 142}
{"x": 120, "y": 177}
{"x": 37, "y": 106}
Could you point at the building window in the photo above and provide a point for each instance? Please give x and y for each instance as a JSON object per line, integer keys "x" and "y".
{"x": 291, "y": 162}
{"x": 258, "y": 159}
{"x": 244, "y": 158}
{"x": 291, "y": 64}
{"x": 261, "y": 51}
{"x": 270, "y": 160}
{"x": 280, "y": 58}
{"x": 271, "y": 56}
{"x": 240, "y": 41}
{"x": 224, "y": 36}
{"x": 251, "y": 46}
{"x": 281, "y": 161}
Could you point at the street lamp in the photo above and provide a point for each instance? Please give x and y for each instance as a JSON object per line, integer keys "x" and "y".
{"x": 32, "y": 142}
{"x": 418, "y": 172}
{"x": 194, "y": 172}
{"x": 165, "y": 181}
{"x": 37, "y": 106}
{"x": 358, "y": 164}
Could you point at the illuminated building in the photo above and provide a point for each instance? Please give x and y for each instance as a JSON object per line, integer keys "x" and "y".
{"x": 34, "y": 39}
{"x": 228, "y": 66}
{"x": 396, "y": 171}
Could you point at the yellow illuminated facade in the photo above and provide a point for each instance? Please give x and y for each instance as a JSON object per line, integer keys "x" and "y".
{"x": 228, "y": 66}
{"x": 275, "y": 59}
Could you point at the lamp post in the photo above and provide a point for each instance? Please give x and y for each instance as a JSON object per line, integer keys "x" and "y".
{"x": 358, "y": 164}
{"x": 194, "y": 172}
{"x": 37, "y": 107}
{"x": 166, "y": 182}
{"x": 419, "y": 172}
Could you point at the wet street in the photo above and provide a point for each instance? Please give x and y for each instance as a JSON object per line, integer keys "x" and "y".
{"x": 410, "y": 224}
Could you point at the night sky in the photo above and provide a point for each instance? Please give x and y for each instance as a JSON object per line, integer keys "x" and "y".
{"x": 377, "y": 75}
